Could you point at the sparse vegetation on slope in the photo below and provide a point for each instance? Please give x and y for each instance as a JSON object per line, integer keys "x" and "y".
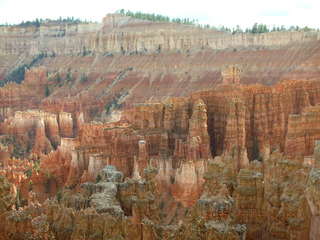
{"x": 18, "y": 151}
{"x": 255, "y": 29}
{"x": 115, "y": 102}
{"x": 263, "y": 28}
{"x": 157, "y": 17}
{"x": 17, "y": 74}
{"x": 40, "y": 21}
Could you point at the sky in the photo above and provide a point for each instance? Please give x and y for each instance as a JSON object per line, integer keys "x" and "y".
{"x": 215, "y": 12}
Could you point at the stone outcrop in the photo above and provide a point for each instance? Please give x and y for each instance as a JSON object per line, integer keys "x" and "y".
{"x": 249, "y": 199}
{"x": 231, "y": 75}
{"x": 40, "y": 132}
{"x": 28, "y": 95}
{"x": 96, "y": 213}
{"x": 6, "y": 195}
{"x": 312, "y": 194}
{"x": 302, "y": 132}
{"x": 119, "y": 33}
{"x": 178, "y": 139}
{"x": 121, "y": 56}
{"x": 130, "y": 129}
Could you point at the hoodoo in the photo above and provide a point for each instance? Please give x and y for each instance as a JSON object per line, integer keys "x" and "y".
{"x": 143, "y": 130}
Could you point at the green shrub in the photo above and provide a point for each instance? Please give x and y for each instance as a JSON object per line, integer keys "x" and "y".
{"x": 47, "y": 91}
{"x": 28, "y": 173}
{"x": 83, "y": 78}
{"x": 98, "y": 178}
{"x": 69, "y": 76}
{"x": 59, "y": 196}
{"x": 38, "y": 22}
{"x": 157, "y": 17}
{"x": 256, "y": 28}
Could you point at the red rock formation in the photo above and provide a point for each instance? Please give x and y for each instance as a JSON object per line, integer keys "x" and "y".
{"x": 190, "y": 155}
{"x": 23, "y": 96}
{"x": 257, "y": 125}
{"x": 249, "y": 199}
{"x": 303, "y": 131}
{"x": 312, "y": 194}
{"x": 231, "y": 75}
{"x": 39, "y": 129}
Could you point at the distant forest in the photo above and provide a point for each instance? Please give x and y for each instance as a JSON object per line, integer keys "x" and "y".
{"x": 39, "y": 21}
{"x": 157, "y": 17}
{"x": 256, "y": 28}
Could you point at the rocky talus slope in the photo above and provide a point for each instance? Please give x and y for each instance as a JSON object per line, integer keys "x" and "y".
{"x": 129, "y": 129}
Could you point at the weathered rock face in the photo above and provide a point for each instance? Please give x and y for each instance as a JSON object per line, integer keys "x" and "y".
{"x": 231, "y": 75}
{"x": 258, "y": 118}
{"x": 286, "y": 198}
{"x": 58, "y": 39}
{"x": 96, "y": 213}
{"x": 249, "y": 199}
{"x": 302, "y": 132}
{"x": 149, "y": 62}
{"x": 216, "y": 205}
{"x": 6, "y": 201}
{"x": 6, "y": 195}
{"x": 23, "y": 96}
{"x": 186, "y": 148}
{"x": 312, "y": 194}
{"x": 40, "y": 132}
{"x": 178, "y": 139}
{"x": 120, "y": 33}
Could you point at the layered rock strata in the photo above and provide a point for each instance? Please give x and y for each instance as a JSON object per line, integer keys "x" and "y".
{"x": 219, "y": 159}
{"x": 119, "y": 33}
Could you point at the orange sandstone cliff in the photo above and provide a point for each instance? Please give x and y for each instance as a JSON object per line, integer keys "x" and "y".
{"x": 129, "y": 129}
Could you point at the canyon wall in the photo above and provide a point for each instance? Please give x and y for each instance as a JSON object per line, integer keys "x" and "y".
{"x": 227, "y": 155}
{"x": 131, "y": 129}
{"x": 119, "y": 33}
{"x": 93, "y": 67}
